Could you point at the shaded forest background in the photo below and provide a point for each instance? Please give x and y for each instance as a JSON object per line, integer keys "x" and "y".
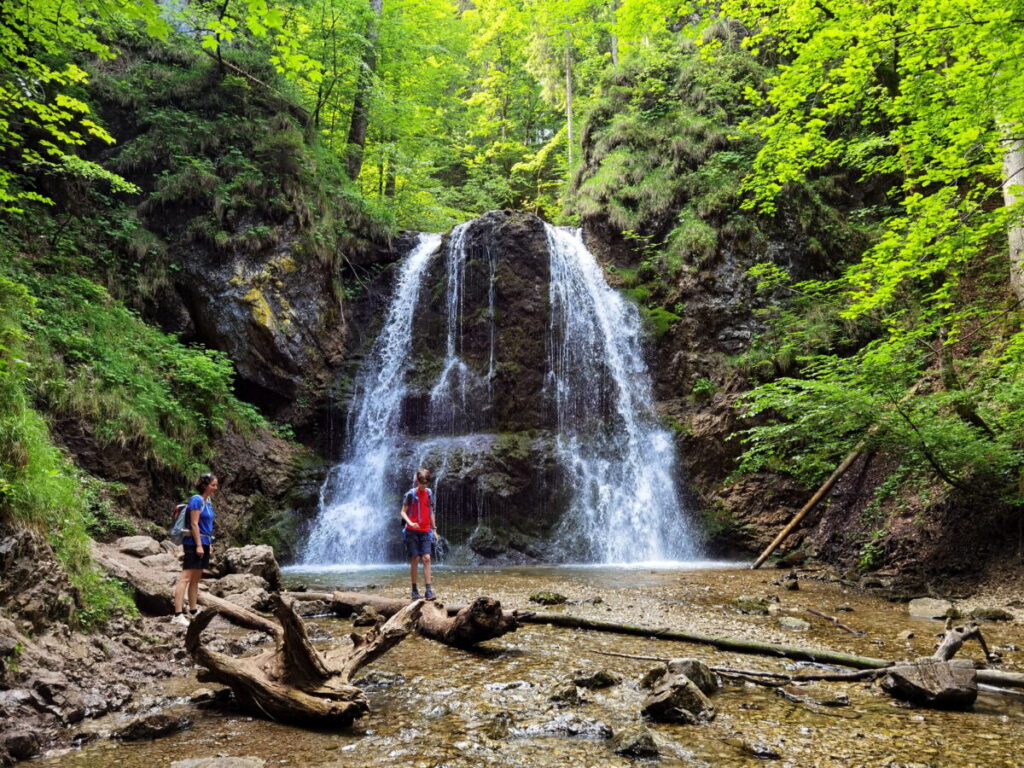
{"x": 884, "y": 138}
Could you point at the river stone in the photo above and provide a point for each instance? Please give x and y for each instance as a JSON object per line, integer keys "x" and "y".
{"x": 548, "y": 598}
{"x": 678, "y": 700}
{"x": 220, "y": 762}
{"x": 929, "y": 608}
{"x": 367, "y": 616}
{"x": 152, "y": 726}
{"x": 653, "y": 676}
{"x": 257, "y": 559}
{"x": 569, "y": 724}
{"x": 635, "y": 741}
{"x": 22, "y": 743}
{"x": 793, "y": 623}
{"x": 567, "y": 695}
{"x": 991, "y": 614}
{"x": 751, "y": 604}
{"x": 696, "y": 671}
{"x": 138, "y": 546}
{"x": 600, "y": 678}
{"x": 934, "y": 683}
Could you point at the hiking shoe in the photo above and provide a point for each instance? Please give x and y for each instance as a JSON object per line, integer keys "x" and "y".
{"x": 180, "y": 620}
{"x": 416, "y": 592}
{"x": 429, "y": 594}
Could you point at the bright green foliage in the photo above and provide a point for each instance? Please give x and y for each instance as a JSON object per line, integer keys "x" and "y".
{"x": 920, "y": 97}
{"x": 933, "y": 88}
{"x": 43, "y": 117}
{"x": 38, "y": 487}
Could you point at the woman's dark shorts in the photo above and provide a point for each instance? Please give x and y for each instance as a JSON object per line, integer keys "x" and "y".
{"x": 192, "y": 561}
{"x": 417, "y": 543}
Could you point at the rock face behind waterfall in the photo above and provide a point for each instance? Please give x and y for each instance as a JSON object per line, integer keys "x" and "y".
{"x": 513, "y": 246}
{"x": 487, "y": 431}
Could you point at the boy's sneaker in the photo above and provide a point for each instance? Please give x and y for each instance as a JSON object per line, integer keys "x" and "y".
{"x": 429, "y": 594}
{"x": 416, "y": 592}
{"x": 180, "y": 620}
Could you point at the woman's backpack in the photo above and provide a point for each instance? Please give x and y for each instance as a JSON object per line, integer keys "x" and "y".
{"x": 178, "y": 528}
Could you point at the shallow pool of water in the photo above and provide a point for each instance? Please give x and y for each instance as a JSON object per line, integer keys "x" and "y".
{"x": 436, "y": 706}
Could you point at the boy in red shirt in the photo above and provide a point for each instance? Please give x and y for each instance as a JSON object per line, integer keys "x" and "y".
{"x": 419, "y": 531}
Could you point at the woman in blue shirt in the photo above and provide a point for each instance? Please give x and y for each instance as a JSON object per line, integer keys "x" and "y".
{"x": 198, "y": 544}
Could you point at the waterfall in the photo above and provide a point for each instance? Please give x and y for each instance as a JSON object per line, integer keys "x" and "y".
{"x": 614, "y": 463}
{"x": 618, "y": 462}
{"x": 357, "y": 508}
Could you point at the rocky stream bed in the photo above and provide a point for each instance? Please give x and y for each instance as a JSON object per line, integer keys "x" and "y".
{"x": 516, "y": 701}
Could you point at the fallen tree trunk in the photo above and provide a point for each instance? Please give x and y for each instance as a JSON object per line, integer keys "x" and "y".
{"x": 293, "y": 681}
{"x": 459, "y": 626}
{"x": 795, "y": 652}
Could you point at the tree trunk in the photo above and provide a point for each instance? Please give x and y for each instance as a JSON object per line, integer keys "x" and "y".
{"x": 364, "y": 94}
{"x": 568, "y": 101}
{"x": 1013, "y": 176}
{"x": 459, "y": 626}
{"x": 293, "y": 682}
{"x": 722, "y": 643}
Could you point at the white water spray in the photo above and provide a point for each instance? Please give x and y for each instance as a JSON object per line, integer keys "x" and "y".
{"x": 357, "y": 509}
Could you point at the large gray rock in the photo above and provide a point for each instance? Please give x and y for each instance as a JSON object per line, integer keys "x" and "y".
{"x": 257, "y": 559}
{"x": 934, "y": 683}
{"x": 696, "y": 671}
{"x": 138, "y": 546}
{"x": 929, "y": 608}
{"x": 677, "y": 699}
{"x": 635, "y": 741}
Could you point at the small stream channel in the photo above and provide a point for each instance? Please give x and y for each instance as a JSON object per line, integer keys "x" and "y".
{"x": 436, "y": 706}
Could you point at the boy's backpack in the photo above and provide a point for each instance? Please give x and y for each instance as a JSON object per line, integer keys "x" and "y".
{"x": 178, "y": 528}
{"x": 415, "y": 501}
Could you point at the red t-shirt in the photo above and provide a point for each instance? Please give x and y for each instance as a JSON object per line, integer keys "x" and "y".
{"x": 419, "y": 512}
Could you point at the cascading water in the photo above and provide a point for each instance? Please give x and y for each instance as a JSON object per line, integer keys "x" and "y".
{"x": 356, "y": 505}
{"x": 616, "y": 465}
{"x": 617, "y": 461}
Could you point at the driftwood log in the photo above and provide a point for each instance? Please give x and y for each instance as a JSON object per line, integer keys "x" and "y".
{"x": 459, "y": 626}
{"x": 293, "y": 681}
{"x": 795, "y": 652}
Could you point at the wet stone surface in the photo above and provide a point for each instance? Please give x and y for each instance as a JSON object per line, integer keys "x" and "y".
{"x": 437, "y": 706}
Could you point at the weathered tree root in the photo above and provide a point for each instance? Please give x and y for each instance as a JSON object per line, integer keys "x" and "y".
{"x": 459, "y": 626}
{"x": 294, "y": 682}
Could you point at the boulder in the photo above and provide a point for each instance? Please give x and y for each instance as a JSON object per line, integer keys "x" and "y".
{"x": 22, "y": 743}
{"x": 153, "y": 587}
{"x": 677, "y": 699}
{"x": 257, "y": 559}
{"x": 253, "y": 599}
{"x": 635, "y": 741}
{"x": 697, "y": 672}
{"x": 929, "y": 608}
{"x": 237, "y": 582}
{"x": 164, "y": 561}
{"x": 934, "y": 683}
{"x": 138, "y": 546}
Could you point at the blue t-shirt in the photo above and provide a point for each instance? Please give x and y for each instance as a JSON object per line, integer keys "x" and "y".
{"x": 205, "y": 521}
